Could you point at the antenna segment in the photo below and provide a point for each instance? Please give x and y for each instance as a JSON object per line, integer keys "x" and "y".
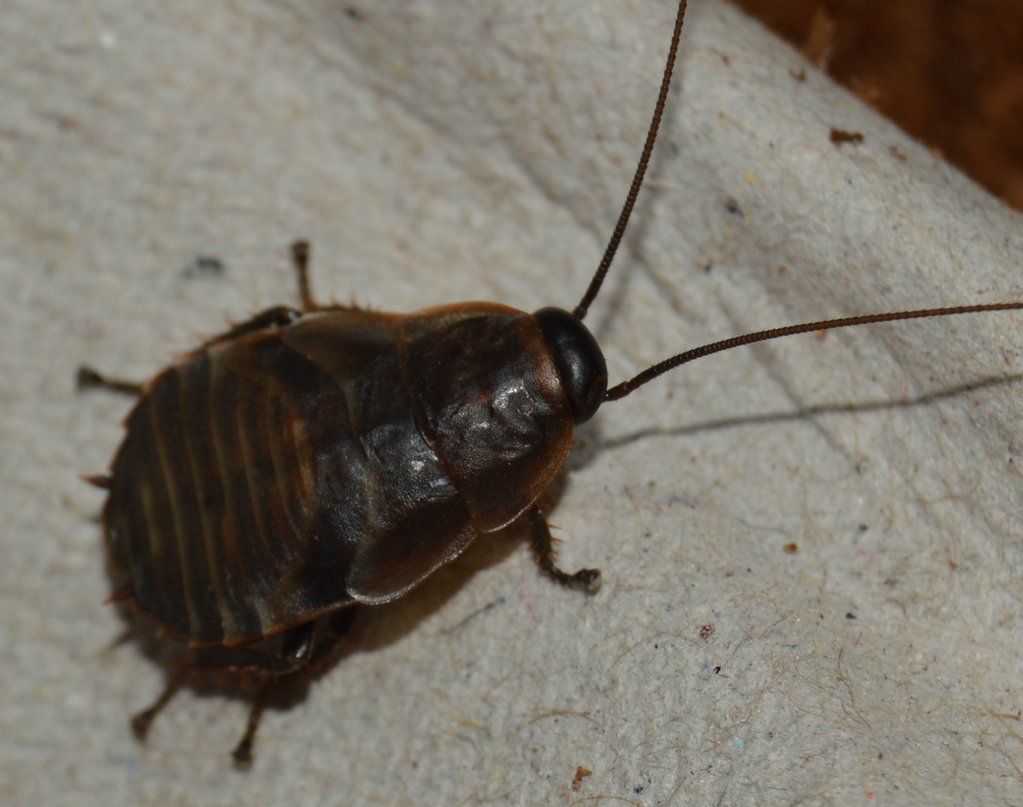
{"x": 637, "y": 178}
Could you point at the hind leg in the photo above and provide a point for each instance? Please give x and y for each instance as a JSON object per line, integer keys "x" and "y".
{"x": 290, "y": 660}
{"x": 141, "y": 722}
{"x": 307, "y": 649}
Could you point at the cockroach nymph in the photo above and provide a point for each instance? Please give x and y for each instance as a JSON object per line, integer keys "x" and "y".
{"x": 320, "y": 457}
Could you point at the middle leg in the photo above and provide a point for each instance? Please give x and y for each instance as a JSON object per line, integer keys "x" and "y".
{"x": 587, "y": 580}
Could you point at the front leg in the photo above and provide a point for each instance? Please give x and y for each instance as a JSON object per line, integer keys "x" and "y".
{"x": 587, "y": 580}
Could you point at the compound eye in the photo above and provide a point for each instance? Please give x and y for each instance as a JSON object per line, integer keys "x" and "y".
{"x": 578, "y": 358}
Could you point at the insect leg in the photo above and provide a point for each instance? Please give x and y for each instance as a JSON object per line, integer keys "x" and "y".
{"x": 303, "y": 650}
{"x": 587, "y": 580}
{"x": 300, "y": 259}
{"x": 243, "y": 751}
{"x": 88, "y": 378}
{"x": 281, "y": 315}
{"x": 141, "y": 722}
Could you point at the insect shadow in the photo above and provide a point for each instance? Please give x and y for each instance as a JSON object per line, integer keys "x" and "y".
{"x": 371, "y": 630}
{"x": 588, "y": 451}
{"x": 320, "y": 460}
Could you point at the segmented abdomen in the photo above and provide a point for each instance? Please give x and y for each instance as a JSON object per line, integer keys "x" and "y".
{"x": 214, "y": 495}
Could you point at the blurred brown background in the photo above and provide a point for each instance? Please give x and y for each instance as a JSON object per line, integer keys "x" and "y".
{"x": 949, "y": 72}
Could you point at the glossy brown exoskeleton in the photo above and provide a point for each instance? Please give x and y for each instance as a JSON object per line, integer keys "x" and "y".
{"x": 316, "y": 458}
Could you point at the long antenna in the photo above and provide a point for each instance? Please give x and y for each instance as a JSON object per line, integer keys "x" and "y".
{"x": 637, "y": 179}
{"x": 626, "y": 387}
{"x": 623, "y": 389}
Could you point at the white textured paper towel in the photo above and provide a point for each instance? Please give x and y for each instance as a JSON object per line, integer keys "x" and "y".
{"x": 440, "y": 151}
